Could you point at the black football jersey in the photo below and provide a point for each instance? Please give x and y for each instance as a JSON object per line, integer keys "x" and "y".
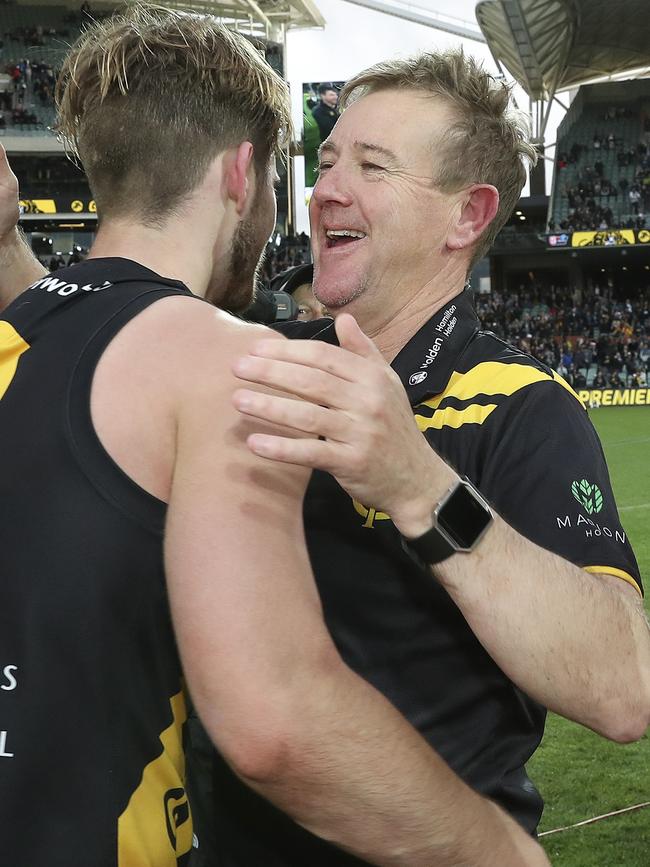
{"x": 92, "y": 706}
{"x": 523, "y": 437}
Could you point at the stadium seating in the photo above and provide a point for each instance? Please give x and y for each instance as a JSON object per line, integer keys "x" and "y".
{"x": 38, "y": 36}
{"x": 605, "y": 340}
{"x": 619, "y": 131}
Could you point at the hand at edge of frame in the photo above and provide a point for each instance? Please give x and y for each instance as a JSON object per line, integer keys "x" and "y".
{"x": 9, "y": 208}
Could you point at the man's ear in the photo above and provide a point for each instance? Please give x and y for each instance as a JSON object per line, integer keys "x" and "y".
{"x": 238, "y": 175}
{"x": 477, "y": 208}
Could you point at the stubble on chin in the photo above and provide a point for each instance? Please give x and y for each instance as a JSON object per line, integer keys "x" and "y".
{"x": 237, "y": 293}
{"x": 338, "y": 297}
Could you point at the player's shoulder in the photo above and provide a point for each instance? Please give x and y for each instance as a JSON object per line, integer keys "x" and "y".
{"x": 196, "y": 328}
{"x": 314, "y": 329}
{"x": 189, "y": 346}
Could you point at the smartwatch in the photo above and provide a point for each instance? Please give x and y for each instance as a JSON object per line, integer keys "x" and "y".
{"x": 460, "y": 520}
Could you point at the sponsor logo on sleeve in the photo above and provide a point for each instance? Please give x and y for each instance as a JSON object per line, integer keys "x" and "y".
{"x": 591, "y": 500}
{"x": 588, "y": 495}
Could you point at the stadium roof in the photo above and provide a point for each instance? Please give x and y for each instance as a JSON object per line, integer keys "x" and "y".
{"x": 265, "y": 18}
{"x": 552, "y": 45}
{"x": 292, "y": 13}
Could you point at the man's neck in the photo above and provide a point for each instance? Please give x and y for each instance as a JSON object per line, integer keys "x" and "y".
{"x": 167, "y": 251}
{"x": 391, "y": 329}
{"x": 396, "y": 333}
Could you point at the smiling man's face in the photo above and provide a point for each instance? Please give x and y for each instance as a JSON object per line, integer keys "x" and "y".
{"x": 379, "y": 225}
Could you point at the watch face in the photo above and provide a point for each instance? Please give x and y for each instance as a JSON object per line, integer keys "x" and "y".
{"x": 463, "y": 517}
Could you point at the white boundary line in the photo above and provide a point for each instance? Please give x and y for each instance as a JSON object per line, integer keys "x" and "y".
{"x": 596, "y": 819}
{"x": 631, "y": 508}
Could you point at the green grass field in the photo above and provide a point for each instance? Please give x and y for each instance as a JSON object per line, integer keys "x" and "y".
{"x": 579, "y": 774}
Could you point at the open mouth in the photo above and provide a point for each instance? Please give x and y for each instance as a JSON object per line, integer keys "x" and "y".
{"x": 343, "y": 237}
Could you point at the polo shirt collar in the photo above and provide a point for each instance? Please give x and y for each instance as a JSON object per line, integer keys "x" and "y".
{"x": 427, "y": 361}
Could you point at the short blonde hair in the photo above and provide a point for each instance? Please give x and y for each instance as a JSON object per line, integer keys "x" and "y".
{"x": 487, "y": 143}
{"x": 148, "y": 98}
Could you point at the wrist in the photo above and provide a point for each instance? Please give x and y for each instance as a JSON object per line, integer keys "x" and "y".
{"x": 458, "y": 523}
{"x": 414, "y": 516}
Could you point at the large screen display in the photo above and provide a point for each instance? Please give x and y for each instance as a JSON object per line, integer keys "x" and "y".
{"x": 320, "y": 113}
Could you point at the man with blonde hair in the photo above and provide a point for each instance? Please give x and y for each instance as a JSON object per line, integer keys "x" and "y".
{"x": 143, "y": 544}
{"x": 479, "y": 573}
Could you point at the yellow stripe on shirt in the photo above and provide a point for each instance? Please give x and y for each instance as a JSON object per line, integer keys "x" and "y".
{"x": 494, "y": 377}
{"x": 450, "y": 417}
{"x": 617, "y": 573}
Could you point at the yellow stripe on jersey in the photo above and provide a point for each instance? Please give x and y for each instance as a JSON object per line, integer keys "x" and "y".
{"x": 155, "y": 830}
{"x": 12, "y": 347}
{"x": 617, "y": 573}
{"x": 450, "y": 417}
{"x": 491, "y": 378}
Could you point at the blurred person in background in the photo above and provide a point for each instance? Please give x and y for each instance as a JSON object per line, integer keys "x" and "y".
{"x": 326, "y": 112}
{"x": 297, "y": 282}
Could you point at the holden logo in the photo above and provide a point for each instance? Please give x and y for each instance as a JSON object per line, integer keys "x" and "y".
{"x": 417, "y": 378}
{"x": 589, "y": 496}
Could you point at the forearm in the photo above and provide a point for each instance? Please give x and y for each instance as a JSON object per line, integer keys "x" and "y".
{"x": 19, "y": 268}
{"x": 570, "y": 640}
{"x": 364, "y": 779}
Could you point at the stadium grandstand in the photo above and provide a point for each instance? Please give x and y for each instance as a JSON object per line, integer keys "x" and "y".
{"x": 568, "y": 277}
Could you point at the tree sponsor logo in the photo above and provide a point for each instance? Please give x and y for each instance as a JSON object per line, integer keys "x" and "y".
{"x": 588, "y": 495}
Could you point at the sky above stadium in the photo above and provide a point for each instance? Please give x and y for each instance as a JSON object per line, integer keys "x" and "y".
{"x": 355, "y": 37}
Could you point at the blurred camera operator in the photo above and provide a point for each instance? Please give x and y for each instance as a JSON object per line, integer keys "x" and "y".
{"x": 289, "y": 296}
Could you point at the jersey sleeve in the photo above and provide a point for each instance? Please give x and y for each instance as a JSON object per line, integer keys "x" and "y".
{"x": 545, "y": 474}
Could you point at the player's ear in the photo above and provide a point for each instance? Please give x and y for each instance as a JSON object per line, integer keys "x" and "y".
{"x": 239, "y": 175}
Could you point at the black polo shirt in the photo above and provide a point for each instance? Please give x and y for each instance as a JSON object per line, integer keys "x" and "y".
{"x": 522, "y": 436}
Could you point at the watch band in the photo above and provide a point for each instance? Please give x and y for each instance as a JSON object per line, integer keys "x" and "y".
{"x": 460, "y": 520}
{"x": 429, "y": 548}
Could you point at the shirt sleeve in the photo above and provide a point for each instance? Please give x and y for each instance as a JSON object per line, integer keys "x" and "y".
{"x": 545, "y": 473}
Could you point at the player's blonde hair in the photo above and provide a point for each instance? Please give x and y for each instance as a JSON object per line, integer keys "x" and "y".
{"x": 148, "y": 98}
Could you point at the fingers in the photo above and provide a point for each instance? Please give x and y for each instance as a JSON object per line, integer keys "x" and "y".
{"x": 7, "y": 177}
{"x": 341, "y": 362}
{"x": 310, "y": 383}
{"x": 352, "y": 338}
{"x": 294, "y": 414}
{"x": 313, "y": 453}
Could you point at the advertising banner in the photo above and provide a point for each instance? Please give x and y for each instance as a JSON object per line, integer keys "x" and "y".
{"x": 596, "y": 397}
{"x": 600, "y": 238}
{"x": 68, "y": 205}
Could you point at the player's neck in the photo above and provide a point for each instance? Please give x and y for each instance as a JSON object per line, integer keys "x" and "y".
{"x": 176, "y": 251}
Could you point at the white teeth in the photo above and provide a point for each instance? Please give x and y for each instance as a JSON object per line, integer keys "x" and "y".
{"x": 344, "y": 233}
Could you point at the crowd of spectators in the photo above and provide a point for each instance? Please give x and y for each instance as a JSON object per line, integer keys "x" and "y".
{"x": 27, "y": 82}
{"x": 589, "y": 196}
{"x": 282, "y": 252}
{"x": 602, "y": 342}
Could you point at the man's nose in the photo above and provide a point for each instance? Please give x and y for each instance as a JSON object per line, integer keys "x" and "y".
{"x": 333, "y": 186}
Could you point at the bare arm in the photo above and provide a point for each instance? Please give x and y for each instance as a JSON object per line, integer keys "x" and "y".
{"x": 292, "y": 720}
{"x": 19, "y": 268}
{"x": 577, "y": 643}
